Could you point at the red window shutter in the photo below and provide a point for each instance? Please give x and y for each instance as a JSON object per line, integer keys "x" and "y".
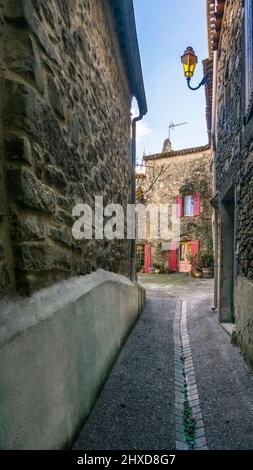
{"x": 181, "y": 206}
{"x": 172, "y": 257}
{"x": 179, "y": 201}
{"x": 147, "y": 258}
{"x": 195, "y": 247}
{"x": 196, "y": 198}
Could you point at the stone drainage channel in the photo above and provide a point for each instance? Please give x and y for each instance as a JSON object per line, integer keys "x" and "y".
{"x": 190, "y": 433}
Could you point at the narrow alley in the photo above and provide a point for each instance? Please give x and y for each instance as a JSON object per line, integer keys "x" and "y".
{"x": 126, "y": 222}
{"x": 140, "y": 406}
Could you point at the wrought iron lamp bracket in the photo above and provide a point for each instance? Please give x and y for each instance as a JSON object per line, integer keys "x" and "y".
{"x": 204, "y": 81}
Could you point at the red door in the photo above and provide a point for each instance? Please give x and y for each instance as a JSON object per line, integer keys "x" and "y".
{"x": 172, "y": 259}
{"x": 147, "y": 258}
{"x": 195, "y": 247}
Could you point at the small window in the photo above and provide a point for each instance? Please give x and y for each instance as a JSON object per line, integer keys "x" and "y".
{"x": 189, "y": 205}
{"x": 248, "y": 18}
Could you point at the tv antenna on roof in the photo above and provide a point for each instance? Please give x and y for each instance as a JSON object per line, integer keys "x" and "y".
{"x": 172, "y": 126}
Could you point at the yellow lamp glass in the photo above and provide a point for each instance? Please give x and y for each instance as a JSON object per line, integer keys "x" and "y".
{"x": 189, "y": 61}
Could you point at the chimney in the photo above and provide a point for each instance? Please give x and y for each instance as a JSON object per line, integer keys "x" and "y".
{"x": 167, "y": 145}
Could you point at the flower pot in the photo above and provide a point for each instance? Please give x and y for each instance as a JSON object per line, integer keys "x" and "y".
{"x": 152, "y": 270}
{"x": 199, "y": 275}
{"x": 158, "y": 271}
{"x": 208, "y": 273}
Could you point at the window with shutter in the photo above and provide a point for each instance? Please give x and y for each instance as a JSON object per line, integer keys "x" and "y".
{"x": 248, "y": 17}
{"x": 189, "y": 205}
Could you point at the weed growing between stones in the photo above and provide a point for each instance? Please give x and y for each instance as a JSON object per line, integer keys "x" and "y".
{"x": 188, "y": 419}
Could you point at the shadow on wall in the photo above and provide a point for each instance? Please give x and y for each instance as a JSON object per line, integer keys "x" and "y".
{"x": 56, "y": 356}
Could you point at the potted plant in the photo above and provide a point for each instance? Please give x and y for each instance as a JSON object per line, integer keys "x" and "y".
{"x": 157, "y": 269}
{"x": 139, "y": 266}
{"x": 207, "y": 261}
{"x": 152, "y": 269}
{"x": 196, "y": 267}
{"x": 165, "y": 269}
{"x": 198, "y": 273}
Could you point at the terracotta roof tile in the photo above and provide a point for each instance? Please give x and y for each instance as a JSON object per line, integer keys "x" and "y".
{"x": 215, "y": 12}
{"x": 177, "y": 153}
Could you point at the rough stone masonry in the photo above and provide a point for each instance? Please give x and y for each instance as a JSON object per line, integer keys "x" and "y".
{"x": 234, "y": 172}
{"x": 166, "y": 175}
{"x": 65, "y": 100}
{"x": 65, "y": 137}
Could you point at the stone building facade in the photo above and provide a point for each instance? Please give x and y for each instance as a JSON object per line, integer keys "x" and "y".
{"x": 69, "y": 70}
{"x": 64, "y": 88}
{"x": 231, "y": 54}
{"x": 181, "y": 179}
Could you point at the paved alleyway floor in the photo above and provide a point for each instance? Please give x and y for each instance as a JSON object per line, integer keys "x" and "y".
{"x": 178, "y": 382}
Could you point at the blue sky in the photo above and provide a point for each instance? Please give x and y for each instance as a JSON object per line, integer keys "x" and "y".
{"x": 165, "y": 28}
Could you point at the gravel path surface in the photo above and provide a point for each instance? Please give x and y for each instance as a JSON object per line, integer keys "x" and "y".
{"x": 136, "y": 407}
{"x": 225, "y": 383}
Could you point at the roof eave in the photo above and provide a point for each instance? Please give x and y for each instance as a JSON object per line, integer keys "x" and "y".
{"x": 177, "y": 153}
{"x": 215, "y": 13}
{"x": 123, "y": 11}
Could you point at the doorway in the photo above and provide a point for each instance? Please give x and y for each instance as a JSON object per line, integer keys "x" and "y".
{"x": 228, "y": 260}
{"x": 185, "y": 251}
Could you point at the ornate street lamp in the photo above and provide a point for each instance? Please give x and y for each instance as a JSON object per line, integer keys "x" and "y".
{"x": 189, "y": 61}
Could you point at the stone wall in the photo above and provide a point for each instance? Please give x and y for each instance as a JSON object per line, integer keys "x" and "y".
{"x": 65, "y": 137}
{"x": 244, "y": 318}
{"x": 235, "y": 140}
{"x": 234, "y": 165}
{"x": 229, "y": 85}
{"x": 170, "y": 172}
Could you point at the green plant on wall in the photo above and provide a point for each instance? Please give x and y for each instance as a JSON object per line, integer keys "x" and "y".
{"x": 187, "y": 188}
{"x": 209, "y": 240}
{"x": 207, "y": 233}
{"x": 204, "y": 232}
{"x": 160, "y": 255}
{"x": 203, "y": 187}
{"x": 158, "y": 249}
{"x": 190, "y": 187}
